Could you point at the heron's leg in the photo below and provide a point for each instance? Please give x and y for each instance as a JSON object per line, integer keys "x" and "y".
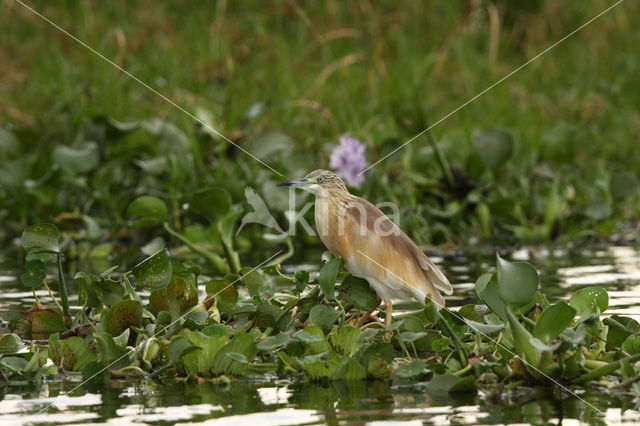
{"x": 368, "y": 314}
{"x": 388, "y": 309}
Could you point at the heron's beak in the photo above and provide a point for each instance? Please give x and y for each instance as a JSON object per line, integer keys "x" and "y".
{"x": 296, "y": 182}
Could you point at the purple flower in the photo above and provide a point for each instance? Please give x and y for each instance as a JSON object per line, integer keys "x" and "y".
{"x": 348, "y": 160}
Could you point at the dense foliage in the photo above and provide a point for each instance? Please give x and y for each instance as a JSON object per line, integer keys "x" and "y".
{"x": 163, "y": 317}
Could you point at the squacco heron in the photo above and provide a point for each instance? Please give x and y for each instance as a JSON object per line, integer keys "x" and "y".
{"x": 372, "y": 246}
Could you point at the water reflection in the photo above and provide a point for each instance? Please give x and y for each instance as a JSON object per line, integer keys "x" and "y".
{"x": 268, "y": 402}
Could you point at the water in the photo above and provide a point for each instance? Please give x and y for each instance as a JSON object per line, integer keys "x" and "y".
{"x": 270, "y": 400}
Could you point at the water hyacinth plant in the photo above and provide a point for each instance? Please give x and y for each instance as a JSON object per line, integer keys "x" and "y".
{"x": 262, "y": 321}
{"x": 348, "y": 160}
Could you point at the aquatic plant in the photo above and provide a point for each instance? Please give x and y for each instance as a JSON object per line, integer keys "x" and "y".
{"x": 242, "y": 323}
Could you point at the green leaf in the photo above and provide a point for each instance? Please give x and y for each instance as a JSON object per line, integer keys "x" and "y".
{"x": 323, "y": 316}
{"x": 107, "y": 347}
{"x": 241, "y": 344}
{"x": 412, "y": 370}
{"x": 589, "y": 302}
{"x": 200, "y": 361}
{"x": 494, "y": 145}
{"x": 632, "y": 345}
{"x": 180, "y": 295}
{"x": 213, "y": 203}
{"x": 122, "y": 315}
{"x": 154, "y": 272}
{"x": 272, "y": 343}
{"x": 349, "y": 369}
{"x": 74, "y": 160}
{"x": 483, "y": 328}
{"x": 223, "y": 292}
{"x": 43, "y": 235}
{"x": 523, "y": 340}
{"x": 445, "y": 383}
{"x": 517, "y": 281}
{"x": 45, "y": 322}
{"x": 34, "y": 275}
{"x": 147, "y": 210}
{"x": 10, "y": 343}
{"x": 74, "y": 354}
{"x": 487, "y": 289}
{"x": 270, "y": 143}
{"x": 302, "y": 279}
{"x": 358, "y": 293}
{"x": 344, "y": 340}
{"x": 328, "y": 275}
{"x": 553, "y": 321}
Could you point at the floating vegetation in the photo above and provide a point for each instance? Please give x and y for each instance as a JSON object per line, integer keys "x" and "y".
{"x": 218, "y": 329}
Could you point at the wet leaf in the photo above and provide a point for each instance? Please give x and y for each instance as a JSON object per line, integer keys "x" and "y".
{"x": 34, "y": 275}
{"x": 154, "y": 272}
{"x": 358, "y": 293}
{"x": 349, "y": 369}
{"x": 344, "y": 340}
{"x": 302, "y": 279}
{"x": 43, "y": 235}
{"x": 412, "y": 370}
{"x": 10, "y": 343}
{"x": 242, "y": 344}
{"x": 180, "y": 295}
{"x": 146, "y": 211}
{"x": 328, "y": 275}
{"x": 274, "y": 342}
{"x": 553, "y": 321}
{"x": 323, "y": 316}
{"x": 122, "y": 315}
{"x": 45, "y": 322}
{"x": 517, "y": 281}
{"x": 589, "y": 302}
{"x": 487, "y": 289}
{"x": 74, "y": 354}
{"x": 223, "y": 292}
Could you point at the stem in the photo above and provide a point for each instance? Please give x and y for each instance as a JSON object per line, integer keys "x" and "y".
{"x": 63, "y": 288}
{"x": 604, "y": 370}
{"x": 442, "y": 161}
{"x": 232, "y": 257}
{"x": 50, "y": 294}
{"x": 283, "y": 256}
{"x": 462, "y": 371}
{"x": 129, "y": 288}
{"x": 33, "y": 290}
{"x": 212, "y": 258}
{"x": 456, "y": 340}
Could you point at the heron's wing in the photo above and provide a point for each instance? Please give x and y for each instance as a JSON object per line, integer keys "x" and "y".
{"x": 390, "y": 253}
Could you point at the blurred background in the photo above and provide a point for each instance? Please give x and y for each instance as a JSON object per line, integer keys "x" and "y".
{"x": 549, "y": 154}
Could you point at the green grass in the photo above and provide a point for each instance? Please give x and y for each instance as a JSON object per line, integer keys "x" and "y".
{"x": 378, "y": 71}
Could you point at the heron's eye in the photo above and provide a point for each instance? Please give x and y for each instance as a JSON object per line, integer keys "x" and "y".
{"x": 320, "y": 179}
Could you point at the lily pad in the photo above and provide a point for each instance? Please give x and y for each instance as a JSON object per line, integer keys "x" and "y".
{"x": 10, "y": 343}
{"x": 412, "y": 370}
{"x": 274, "y": 342}
{"x": 154, "y": 272}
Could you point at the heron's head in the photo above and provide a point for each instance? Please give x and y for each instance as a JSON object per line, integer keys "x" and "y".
{"x": 320, "y": 182}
